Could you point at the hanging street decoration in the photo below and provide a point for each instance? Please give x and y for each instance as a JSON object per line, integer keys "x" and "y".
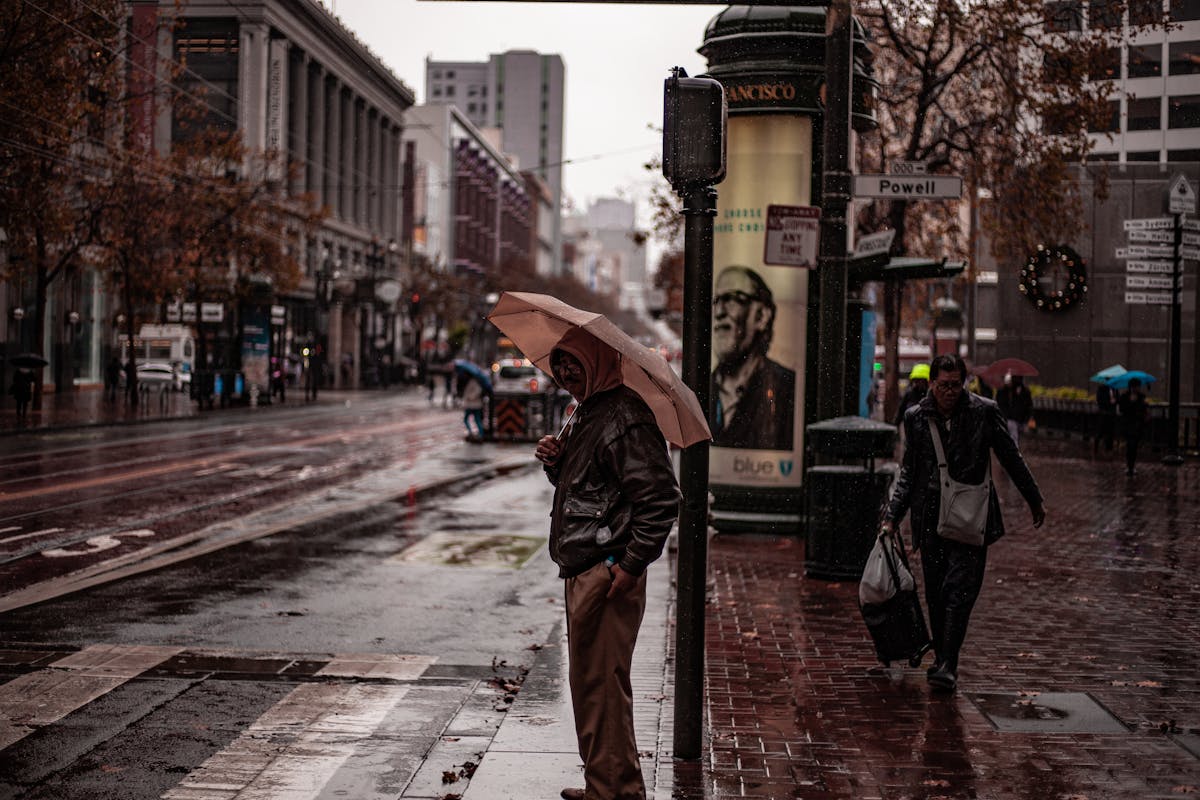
{"x": 1054, "y": 278}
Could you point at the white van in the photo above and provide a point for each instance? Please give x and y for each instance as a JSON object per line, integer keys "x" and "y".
{"x": 173, "y": 345}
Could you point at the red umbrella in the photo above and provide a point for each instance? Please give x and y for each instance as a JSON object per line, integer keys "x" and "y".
{"x": 994, "y": 373}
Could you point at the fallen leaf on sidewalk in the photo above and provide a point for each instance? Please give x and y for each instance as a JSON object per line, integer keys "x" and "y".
{"x": 1149, "y": 684}
{"x": 750, "y": 635}
{"x": 449, "y": 776}
{"x": 1187, "y": 789}
{"x": 1028, "y": 655}
{"x": 935, "y": 782}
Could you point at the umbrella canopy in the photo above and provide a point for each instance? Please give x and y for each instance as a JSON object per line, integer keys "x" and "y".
{"x": 1108, "y": 372}
{"x": 475, "y": 371}
{"x": 28, "y": 361}
{"x": 1122, "y": 381}
{"x": 536, "y": 322}
{"x": 994, "y": 373}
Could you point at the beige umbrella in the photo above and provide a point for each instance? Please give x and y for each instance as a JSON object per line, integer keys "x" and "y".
{"x": 536, "y": 322}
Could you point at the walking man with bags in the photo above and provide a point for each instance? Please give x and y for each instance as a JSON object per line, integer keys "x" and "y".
{"x": 949, "y": 440}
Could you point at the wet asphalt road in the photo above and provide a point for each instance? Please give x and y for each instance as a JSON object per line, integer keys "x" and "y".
{"x": 411, "y": 615}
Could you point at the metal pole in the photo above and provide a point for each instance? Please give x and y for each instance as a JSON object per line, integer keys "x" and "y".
{"x": 1172, "y": 457}
{"x": 835, "y": 200}
{"x": 699, "y": 209}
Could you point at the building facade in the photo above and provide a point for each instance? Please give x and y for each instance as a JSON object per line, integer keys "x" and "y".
{"x": 519, "y": 93}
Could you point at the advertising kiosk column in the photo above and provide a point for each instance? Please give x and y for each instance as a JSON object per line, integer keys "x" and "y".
{"x": 770, "y": 60}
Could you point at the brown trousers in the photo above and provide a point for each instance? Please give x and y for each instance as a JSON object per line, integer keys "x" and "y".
{"x": 601, "y": 634}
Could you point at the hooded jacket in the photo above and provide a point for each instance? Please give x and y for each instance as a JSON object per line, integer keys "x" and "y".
{"x": 615, "y": 489}
{"x": 974, "y": 430}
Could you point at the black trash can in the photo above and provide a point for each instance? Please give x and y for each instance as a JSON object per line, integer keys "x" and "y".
{"x": 845, "y": 494}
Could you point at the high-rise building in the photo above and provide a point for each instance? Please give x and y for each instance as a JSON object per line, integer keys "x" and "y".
{"x": 1155, "y": 105}
{"x": 519, "y": 93}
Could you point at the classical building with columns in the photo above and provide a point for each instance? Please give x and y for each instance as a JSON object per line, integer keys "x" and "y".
{"x": 300, "y": 84}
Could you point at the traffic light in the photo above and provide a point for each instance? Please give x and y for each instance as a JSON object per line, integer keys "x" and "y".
{"x": 414, "y": 304}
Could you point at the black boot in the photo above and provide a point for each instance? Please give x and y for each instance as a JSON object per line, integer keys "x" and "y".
{"x": 954, "y": 632}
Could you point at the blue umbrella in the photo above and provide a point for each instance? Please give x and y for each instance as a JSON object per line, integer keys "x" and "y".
{"x": 1122, "y": 380}
{"x": 475, "y": 371}
{"x": 1104, "y": 375}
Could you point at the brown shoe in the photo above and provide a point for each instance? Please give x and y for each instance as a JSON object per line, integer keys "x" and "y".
{"x": 571, "y": 794}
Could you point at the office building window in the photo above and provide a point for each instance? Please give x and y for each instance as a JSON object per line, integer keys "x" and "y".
{"x": 1185, "y": 10}
{"x": 210, "y": 48}
{"x": 1184, "y": 111}
{"x": 1111, "y": 122}
{"x": 437, "y": 73}
{"x": 450, "y": 74}
{"x": 1104, "y": 14}
{"x": 1184, "y": 155}
{"x": 1056, "y": 67}
{"x": 1142, "y": 155}
{"x": 449, "y": 91}
{"x": 1145, "y": 12}
{"x": 1102, "y": 157}
{"x": 1145, "y": 114}
{"x": 1145, "y": 61}
{"x": 1064, "y": 16}
{"x": 472, "y": 108}
{"x": 1185, "y": 58}
{"x": 437, "y": 91}
{"x": 1106, "y": 66}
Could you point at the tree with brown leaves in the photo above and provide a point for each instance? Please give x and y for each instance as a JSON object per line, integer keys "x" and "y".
{"x": 1001, "y": 92}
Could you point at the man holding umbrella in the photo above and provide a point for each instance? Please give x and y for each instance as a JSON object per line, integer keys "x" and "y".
{"x": 615, "y": 501}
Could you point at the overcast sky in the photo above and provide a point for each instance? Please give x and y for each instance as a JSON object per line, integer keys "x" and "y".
{"x": 616, "y": 58}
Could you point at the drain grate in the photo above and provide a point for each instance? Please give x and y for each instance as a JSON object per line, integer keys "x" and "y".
{"x": 1048, "y": 712}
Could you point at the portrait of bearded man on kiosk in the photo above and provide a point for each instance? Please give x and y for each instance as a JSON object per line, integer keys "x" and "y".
{"x": 753, "y": 397}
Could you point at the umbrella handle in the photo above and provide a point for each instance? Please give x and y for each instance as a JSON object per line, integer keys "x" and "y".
{"x": 566, "y": 422}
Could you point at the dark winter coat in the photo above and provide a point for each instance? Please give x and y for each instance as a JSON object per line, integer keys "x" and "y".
{"x": 974, "y": 431}
{"x": 615, "y": 489}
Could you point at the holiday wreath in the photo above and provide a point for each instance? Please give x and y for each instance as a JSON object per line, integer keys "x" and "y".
{"x": 1054, "y": 278}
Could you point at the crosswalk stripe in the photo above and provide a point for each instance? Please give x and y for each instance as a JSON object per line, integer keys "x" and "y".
{"x": 293, "y": 750}
{"x": 39, "y": 698}
{"x": 377, "y": 665}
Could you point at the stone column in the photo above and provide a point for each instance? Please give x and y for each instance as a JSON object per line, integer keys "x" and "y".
{"x": 333, "y": 146}
{"x": 315, "y": 168}
{"x": 298, "y": 122}
{"x": 252, "y": 78}
{"x": 346, "y": 174}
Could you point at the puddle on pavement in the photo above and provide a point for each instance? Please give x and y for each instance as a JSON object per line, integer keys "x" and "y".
{"x": 1047, "y": 712}
{"x": 1188, "y": 741}
{"x": 451, "y": 548}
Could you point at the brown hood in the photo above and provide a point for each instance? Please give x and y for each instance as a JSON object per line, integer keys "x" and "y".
{"x": 601, "y": 363}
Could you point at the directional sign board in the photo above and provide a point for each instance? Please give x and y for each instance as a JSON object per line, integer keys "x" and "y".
{"x": 874, "y": 243}
{"x": 1148, "y": 282}
{"x": 909, "y": 168}
{"x": 1148, "y": 298}
{"x": 1150, "y": 224}
{"x": 792, "y": 235}
{"x": 1191, "y": 225}
{"x": 1146, "y": 251}
{"x": 1163, "y": 237}
{"x": 909, "y": 187}
{"x": 1160, "y": 267}
{"x": 1181, "y": 197}
{"x": 1190, "y": 253}
{"x": 1191, "y": 238}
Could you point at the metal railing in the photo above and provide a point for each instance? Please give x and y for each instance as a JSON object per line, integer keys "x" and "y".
{"x": 1082, "y": 418}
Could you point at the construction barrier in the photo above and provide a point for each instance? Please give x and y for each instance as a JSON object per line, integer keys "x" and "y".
{"x": 522, "y": 417}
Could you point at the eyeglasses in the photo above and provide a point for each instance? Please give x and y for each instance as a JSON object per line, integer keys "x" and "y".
{"x": 740, "y": 298}
{"x": 947, "y": 386}
{"x": 566, "y": 368}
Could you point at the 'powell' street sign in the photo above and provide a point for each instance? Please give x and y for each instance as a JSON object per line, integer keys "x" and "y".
{"x": 909, "y": 187}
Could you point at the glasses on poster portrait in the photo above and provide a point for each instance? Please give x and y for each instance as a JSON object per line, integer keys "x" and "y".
{"x": 733, "y": 298}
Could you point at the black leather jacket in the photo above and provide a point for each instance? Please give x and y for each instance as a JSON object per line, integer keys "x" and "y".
{"x": 615, "y": 490}
{"x": 975, "y": 429}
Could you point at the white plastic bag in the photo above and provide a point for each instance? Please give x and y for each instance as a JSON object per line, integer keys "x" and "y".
{"x": 878, "y": 583}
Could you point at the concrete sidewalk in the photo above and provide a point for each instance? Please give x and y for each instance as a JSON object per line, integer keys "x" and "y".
{"x": 1080, "y": 676}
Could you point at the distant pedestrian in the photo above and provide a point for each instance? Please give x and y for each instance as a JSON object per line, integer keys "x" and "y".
{"x": 972, "y": 429}
{"x": 1016, "y": 403}
{"x": 112, "y": 378}
{"x": 1135, "y": 413}
{"x": 1106, "y": 404}
{"x": 918, "y": 386}
{"x": 472, "y": 404}
{"x": 22, "y": 391}
{"x": 615, "y": 501}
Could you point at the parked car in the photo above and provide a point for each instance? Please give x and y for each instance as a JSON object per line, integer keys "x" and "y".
{"x": 520, "y": 376}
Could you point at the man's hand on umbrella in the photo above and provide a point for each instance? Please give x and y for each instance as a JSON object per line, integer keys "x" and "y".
{"x": 622, "y": 581}
{"x": 548, "y": 450}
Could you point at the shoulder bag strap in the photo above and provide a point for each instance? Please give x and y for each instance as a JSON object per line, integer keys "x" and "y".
{"x": 941, "y": 456}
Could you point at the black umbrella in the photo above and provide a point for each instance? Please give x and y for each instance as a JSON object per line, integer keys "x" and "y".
{"x": 28, "y": 360}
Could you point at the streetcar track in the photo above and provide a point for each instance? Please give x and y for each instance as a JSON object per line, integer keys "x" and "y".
{"x": 346, "y": 469}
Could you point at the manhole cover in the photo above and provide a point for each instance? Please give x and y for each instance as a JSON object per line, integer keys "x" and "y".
{"x": 1188, "y": 741}
{"x": 1047, "y": 712}
{"x": 471, "y": 550}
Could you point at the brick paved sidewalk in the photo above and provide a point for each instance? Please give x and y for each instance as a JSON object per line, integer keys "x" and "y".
{"x": 1095, "y": 614}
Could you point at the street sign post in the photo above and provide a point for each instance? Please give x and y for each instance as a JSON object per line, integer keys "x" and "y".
{"x": 793, "y": 233}
{"x": 1148, "y": 298}
{"x": 1146, "y": 251}
{"x": 1161, "y": 267}
{"x": 1181, "y": 197}
{"x": 1150, "y": 224}
{"x": 1161, "y": 237}
{"x": 874, "y": 244}
{"x": 909, "y": 187}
